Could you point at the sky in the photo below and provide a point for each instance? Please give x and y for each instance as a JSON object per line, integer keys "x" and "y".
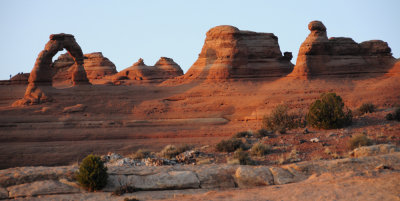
{"x": 125, "y": 31}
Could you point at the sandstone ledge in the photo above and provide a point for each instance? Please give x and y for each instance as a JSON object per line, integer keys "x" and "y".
{"x": 33, "y": 181}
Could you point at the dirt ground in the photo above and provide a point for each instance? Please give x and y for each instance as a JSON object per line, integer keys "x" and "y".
{"x": 123, "y": 118}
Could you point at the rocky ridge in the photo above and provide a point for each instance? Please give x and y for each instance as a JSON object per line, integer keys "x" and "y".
{"x": 340, "y": 56}
{"x": 165, "y": 68}
{"x": 95, "y": 64}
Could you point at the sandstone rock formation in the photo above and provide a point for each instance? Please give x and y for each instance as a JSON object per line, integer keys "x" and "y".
{"x": 95, "y": 64}
{"x": 231, "y": 53}
{"x": 42, "y": 72}
{"x": 20, "y": 78}
{"x": 165, "y": 68}
{"x": 319, "y": 55}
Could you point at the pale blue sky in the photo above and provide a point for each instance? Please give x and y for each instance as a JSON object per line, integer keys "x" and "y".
{"x": 127, "y": 30}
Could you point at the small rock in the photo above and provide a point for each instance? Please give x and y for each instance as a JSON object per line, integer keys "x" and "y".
{"x": 302, "y": 141}
{"x": 314, "y": 139}
{"x": 75, "y": 108}
{"x": 306, "y": 131}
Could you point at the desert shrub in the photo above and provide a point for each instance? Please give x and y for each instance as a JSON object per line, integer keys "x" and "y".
{"x": 359, "y": 141}
{"x": 280, "y": 119}
{"x": 171, "y": 151}
{"x": 243, "y": 134}
{"x": 261, "y": 133}
{"x": 394, "y": 116}
{"x": 389, "y": 117}
{"x": 260, "y": 149}
{"x": 328, "y": 112}
{"x": 92, "y": 174}
{"x": 140, "y": 154}
{"x": 123, "y": 189}
{"x": 229, "y": 145}
{"x": 243, "y": 157}
{"x": 366, "y": 108}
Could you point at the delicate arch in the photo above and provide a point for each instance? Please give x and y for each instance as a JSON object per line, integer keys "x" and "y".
{"x": 42, "y": 72}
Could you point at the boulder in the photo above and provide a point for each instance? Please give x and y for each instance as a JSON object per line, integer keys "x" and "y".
{"x": 248, "y": 176}
{"x": 46, "y": 187}
{"x": 340, "y": 56}
{"x": 95, "y": 64}
{"x": 169, "y": 180}
{"x": 375, "y": 150}
{"x": 159, "y": 181}
{"x": 213, "y": 176}
{"x": 281, "y": 176}
{"x": 3, "y": 193}
{"x": 231, "y": 53}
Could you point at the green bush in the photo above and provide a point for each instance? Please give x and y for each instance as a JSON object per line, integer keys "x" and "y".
{"x": 262, "y": 133}
{"x": 280, "y": 119}
{"x": 260, "y": 149}
{"x": 243, "y": 134}
{"x": 171, "y": 151}
{"x": 394, "y": 116}
{"x": 243, "y": 157}
{"x": 366, "y": 108}
{"x": 229, "y": 145}
{"x": 92, "y": 174}
{"x": 359, "y": 141}
{"x": 327, "y": 112}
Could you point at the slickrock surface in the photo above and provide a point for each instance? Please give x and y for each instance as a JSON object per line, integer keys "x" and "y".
{"x": 95, "y": 64}
{"x": 231, "y": 53}
{"x": 340, "y": 56}
{"x": 165, "y": 68}
{"x": 314, "y": 173}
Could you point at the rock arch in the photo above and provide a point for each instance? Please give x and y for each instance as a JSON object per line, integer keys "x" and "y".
{"x": 41, "y": 75}
{"x": 42, "y": 72}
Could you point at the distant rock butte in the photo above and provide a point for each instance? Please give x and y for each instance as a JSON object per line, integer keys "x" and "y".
{"x": 95, "y": 64}
{"x": 165, "y": 68}
{"x": 231, "y": 53}
{"x": 319, "y": 55}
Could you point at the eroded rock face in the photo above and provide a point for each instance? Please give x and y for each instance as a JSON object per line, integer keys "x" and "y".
{"x": 165, "y": 68}
{"x": 231, "y": 53}
{"x": 95, "y": 64}
{"x": 340, "y": 56}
